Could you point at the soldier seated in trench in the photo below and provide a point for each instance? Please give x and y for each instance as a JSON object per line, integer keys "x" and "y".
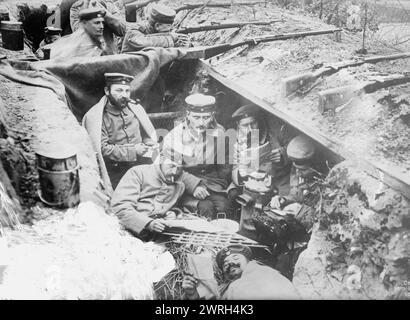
{"x": 146, "y": 195}
{"x": 155, "y": 31}
{"x": 197, "y": 139}
{"x": 120, "y": 129}
{"x": 303, "y": 182}
{"x": 258, "y": 147}
{"x": 248, "y": 280}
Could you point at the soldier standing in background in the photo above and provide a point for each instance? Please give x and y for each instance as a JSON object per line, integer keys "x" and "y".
{"x": 155, "y": 31}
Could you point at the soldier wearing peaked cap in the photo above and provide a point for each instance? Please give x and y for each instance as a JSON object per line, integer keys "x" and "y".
{"x": 51, "y": 35}
{"x": 303, "y": 182}
{"x": 155, "y": 31}
{"x": 95, "y": 25}
{"x": 120, "y": 129}
{"x": 198, "y": 140}
{"x": 248, "y": 280}
{"x": 258, "y": 147}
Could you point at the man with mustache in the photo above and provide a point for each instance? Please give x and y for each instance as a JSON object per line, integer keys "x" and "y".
{"x": 248, "y": 280}
{"x": 258, "y": 147}
{"x": 198, "y": 140}
{"x": 119, "y": 128}
{"x": 146, "y": 195}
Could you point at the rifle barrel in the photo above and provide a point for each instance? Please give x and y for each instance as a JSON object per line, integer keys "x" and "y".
{"x": 209, "y": 52}
{"x": 187, "y": 30}
{"x": 287, "y": 36}
{"x": 190, "y": 6}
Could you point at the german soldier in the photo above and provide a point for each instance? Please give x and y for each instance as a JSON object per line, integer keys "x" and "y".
{"x": 120, "y": 128}
{"x": 197, "y": 140}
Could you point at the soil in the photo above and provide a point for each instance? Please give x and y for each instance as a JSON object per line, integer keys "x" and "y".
{"x": 373, "y": 126}
{"x": 37, "y": 121}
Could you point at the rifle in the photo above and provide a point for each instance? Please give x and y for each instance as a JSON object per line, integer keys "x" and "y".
{"x": 337, "y": 98}
{"x": 186, "y": 30}
{"x": 306, "y": 81}
{"x": 206, "y": 52}
{"x": 190, "y": 6}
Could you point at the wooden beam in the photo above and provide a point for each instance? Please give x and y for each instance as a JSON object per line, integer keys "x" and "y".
{"x": 165, "y": 115}
{"x": 391, "y": 175}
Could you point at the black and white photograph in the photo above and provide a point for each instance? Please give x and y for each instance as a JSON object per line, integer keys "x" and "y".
{"x": 221, "y": 151}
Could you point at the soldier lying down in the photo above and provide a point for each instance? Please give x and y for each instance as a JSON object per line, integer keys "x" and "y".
{"x": 248, "y": 280}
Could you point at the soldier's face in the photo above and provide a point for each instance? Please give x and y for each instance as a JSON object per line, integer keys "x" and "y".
{"x": 118, "y": 95}
{"x": 199, "y": 122}
{"x": 247, "y": 125}
{"x": 52, "y": 38}
{"x": 162, "y": 27}
{"x": 171, "y": 170}
{"x": 94, "y": 27}
{"x": 234, "y": 265}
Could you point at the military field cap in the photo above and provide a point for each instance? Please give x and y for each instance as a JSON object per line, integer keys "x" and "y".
{"x": 235, "y": 248}
{"x": 52, "y": 31}
{"x": 117, "y": 78}
{"x": 162, "y": 14}
{"x": 200, "y": 103}
{"x": 91, "y": 13}
{"x": 249, "y": 110}
{"x": 300, "y": 149}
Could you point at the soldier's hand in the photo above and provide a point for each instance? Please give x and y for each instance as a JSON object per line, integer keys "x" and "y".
{"x": 180, "y": 39}
{"x": 157, "y": 225}
{"x": 277, "y": 202}
{"x": 189, "y": 284}
{"x": 275, "y": 156}
{"x": 201, "y": 193}
{"x": 141, "y": 149}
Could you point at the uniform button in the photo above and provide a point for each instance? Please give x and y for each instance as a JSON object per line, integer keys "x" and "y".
{"x": 125, "y": 127}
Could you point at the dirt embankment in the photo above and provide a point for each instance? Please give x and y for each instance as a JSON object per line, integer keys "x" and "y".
{"x": 360, "y": 247}
{"x": 35, "y": 120}
{"x": 373, "y": 126}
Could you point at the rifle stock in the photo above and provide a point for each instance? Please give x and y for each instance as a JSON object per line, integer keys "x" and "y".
{"x": 306, "y": 80}
{"x": 334, "y": 99}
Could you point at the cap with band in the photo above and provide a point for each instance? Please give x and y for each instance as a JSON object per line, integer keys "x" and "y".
{"x": 117, "y": 78}
{"x": 200, "y": 103}
{"x": 225, "y": 252}
{"x": 91, "y": 13}
{"x": 52, "y": 31}
{"x": 249, "y": 110}
{"x": 162, "y": 14}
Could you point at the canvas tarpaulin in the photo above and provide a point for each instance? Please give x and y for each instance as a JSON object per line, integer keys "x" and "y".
{"x": 82, "y": 79}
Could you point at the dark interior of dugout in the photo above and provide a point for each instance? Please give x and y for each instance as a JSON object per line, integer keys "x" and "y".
{"x": 187, "y": 77}
{"x": 182, "y": 78}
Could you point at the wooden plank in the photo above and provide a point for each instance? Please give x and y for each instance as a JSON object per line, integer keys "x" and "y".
{"x": 392, "y": 175}
{"x": 165, "y": 115}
